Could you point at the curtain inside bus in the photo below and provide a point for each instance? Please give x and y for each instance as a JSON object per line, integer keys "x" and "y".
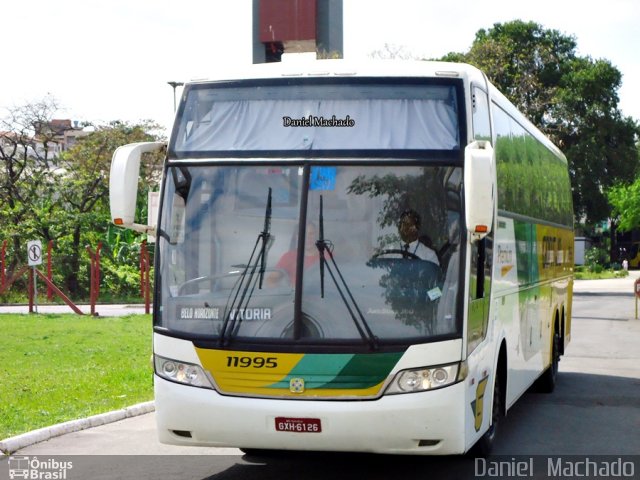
{"x": 312, "y": 117}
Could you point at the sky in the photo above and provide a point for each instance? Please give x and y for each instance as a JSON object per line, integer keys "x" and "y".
{"x": 111, "y": 60}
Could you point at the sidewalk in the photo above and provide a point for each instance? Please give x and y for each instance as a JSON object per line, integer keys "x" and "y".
{"x": 103, "y": 310}
{"x": 619, "y": 286}
{"x": 18, "y": 442}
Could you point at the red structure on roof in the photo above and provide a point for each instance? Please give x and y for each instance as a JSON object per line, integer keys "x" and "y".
{"x": 287, "y": 20}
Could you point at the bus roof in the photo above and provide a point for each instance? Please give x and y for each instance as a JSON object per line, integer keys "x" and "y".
{"x": 347, "y": 68}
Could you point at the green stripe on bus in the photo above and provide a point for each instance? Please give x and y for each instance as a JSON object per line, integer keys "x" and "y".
{"x": 341, "y": 371}
{"x": 365, "y": 370}
{"x": 316, "y": 369}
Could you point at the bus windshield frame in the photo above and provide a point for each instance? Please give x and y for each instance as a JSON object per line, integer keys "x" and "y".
{"x": 182, "y": 163}
{"x": 358, "y": 288}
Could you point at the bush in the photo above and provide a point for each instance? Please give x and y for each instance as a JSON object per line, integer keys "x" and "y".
{"x": 596, "y": 259}
{"x": 120, "y": 280}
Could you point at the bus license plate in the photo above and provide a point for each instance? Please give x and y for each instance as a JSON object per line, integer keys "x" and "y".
{"x": 300, "y": 425}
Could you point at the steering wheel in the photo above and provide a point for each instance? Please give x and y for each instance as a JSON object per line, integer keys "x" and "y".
{"x": 281, "y": 277}
{"x": 396, "y": 251}
{"x": 193, "y": 281}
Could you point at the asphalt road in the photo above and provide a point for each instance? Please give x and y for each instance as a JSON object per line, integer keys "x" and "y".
{"x": 595, "y": 410}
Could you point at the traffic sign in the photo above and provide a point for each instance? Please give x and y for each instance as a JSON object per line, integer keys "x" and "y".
{"x": 34, "y": 253}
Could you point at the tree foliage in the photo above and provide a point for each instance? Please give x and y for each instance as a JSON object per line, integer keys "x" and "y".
{"x": 572, "y": 99}
{"x": 27, "y": 172}
{"x": 84, "y": 190}
{"x": 625, "y": 200}
{"x": 63, "y": 196}
{"x": 526, "y": 63}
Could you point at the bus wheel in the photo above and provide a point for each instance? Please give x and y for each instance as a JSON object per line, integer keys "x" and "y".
{"x": 547, "y": 382}
{"x": 485, "y": 444}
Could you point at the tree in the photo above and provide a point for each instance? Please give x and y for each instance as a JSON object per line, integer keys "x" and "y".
{"x": 526, "y": 63}
{"x": 599, "y": 142}
{"x": 570, "y": 98}
{"x": 83, "y": 190}
{"x": 48, "y": 194}
{"x": 625, "y": 200}
{"x": 27, "y": 166}
{"x": 390, "y": 51}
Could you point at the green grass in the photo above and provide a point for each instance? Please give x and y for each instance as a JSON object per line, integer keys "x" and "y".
{"x": 585, "y": 274}
{"x": 55, "y": 368}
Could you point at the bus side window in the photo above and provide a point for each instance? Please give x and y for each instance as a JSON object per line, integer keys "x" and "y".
{"x": 481, "y": 123}
{"x": 479, "y": 292}
{"x": 481, "y": 269}
{"x": 479, "y": 266}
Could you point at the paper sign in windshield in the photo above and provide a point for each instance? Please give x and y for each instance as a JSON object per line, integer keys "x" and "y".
{"x": 322, "y": 178}
{"x": 434, "y": 293}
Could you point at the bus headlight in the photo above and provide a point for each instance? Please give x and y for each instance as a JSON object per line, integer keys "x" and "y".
{"x": 422, "y": 379}
{"x": 181, "y": 372}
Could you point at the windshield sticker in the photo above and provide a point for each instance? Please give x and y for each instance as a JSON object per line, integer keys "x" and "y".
{"x": 434, "y": 294}
{"x": 380, "y": 311}
{"x": 323, "y": 178}
{"x": 199, "y": 313}
{"x": 251, "y": 314}
{"x": 215, "y": 313}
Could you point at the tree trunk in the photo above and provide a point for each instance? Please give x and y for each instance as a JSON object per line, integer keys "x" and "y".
{"x": 614, "y": 253}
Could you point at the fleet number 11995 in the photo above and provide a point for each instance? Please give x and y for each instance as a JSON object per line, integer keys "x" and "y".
{"x": 252, "y": 362}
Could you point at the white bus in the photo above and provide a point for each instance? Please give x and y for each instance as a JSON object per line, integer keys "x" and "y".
{"x": 353, "y": 257}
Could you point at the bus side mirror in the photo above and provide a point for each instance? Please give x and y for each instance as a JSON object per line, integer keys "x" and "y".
{"x": 479, "y": 188}
{"x": 123, "y": 183}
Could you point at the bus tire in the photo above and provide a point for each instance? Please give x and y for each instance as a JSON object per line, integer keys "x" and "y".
{"x": 485, "y": 444}
{"x": 547, "y": 381}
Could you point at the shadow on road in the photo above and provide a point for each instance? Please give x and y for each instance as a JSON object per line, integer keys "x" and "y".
{"x": 338, "y": 466}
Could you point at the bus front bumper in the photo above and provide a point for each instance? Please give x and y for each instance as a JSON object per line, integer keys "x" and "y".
{"x": 429, "y": 422}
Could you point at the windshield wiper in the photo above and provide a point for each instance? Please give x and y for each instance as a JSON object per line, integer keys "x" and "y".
{"x": 326, "y": 246}
{"x": 265, "y": 235}
{"x": 246, "y": 285}
{"x": 322, "y": 246}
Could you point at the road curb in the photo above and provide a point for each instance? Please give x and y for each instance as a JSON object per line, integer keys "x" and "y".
{"x": 13, "y": 444}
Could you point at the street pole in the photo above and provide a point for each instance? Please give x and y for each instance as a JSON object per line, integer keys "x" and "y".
{"x": 35, "y": 290}
{"x": 174, "y": 85}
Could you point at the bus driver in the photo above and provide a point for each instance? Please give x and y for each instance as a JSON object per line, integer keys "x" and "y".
{"x": 413, "y": 243}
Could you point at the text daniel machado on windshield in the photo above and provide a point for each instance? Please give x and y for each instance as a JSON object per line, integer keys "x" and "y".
{"x": 315, "y": 121}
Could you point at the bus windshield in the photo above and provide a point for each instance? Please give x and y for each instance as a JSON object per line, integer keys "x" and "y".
{"x": 311, "y": 252}
{"x": 309, "y": 116}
